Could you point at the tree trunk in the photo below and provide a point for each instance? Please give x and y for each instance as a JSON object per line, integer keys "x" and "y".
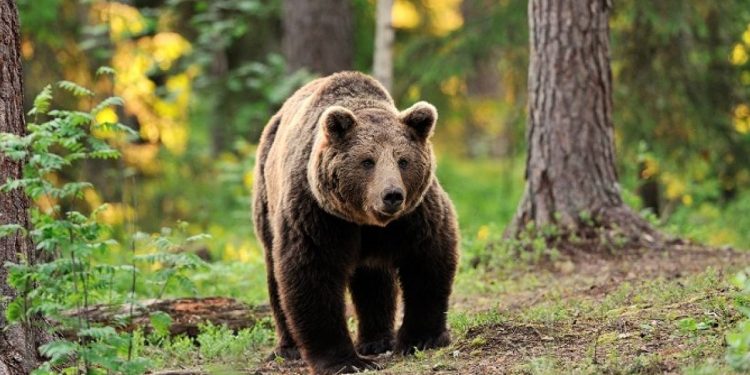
{"x": 221, "y": 123}
{"x": 187, "y": 315}
{"x": 318, "y": 35}
{"x": 18, "y": 343}
{"x": 382, "y": 67}
{"x": 571, "y": 179}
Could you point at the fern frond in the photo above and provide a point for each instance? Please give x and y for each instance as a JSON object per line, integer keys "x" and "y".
{"x": 75, "y": 89}
{"x": 42, "y": 101}
{"x": 106, "y": 70}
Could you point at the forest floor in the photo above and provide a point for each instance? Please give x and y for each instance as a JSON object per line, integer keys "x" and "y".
{"x": 642, "y": 312}
{"x": 639, "y": 312}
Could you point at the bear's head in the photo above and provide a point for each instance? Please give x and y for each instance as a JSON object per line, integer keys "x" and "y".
{"x": 371, "y": 166}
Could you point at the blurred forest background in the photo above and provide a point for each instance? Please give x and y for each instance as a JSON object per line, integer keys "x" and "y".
{"x": 199, "y": 79}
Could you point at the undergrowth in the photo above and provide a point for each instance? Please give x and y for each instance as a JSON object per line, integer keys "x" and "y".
{"x": 69, "y": 274}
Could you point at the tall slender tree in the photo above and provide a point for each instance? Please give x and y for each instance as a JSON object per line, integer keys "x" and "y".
{"x": 571, "y": 179}
{"x": 318, "y": 35}
{"x": 18, "y": 343}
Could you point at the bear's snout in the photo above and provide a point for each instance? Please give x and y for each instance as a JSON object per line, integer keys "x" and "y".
{"x": 393, "y": 199}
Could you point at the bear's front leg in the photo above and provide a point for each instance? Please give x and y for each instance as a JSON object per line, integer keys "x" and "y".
{"x": 312, "y": 282}
{"x": 374, "y": 295}
{"x": 426, "y": 279}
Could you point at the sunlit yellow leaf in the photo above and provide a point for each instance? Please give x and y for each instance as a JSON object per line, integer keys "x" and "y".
{"x": 174, "y": 138}
{"x": 687, "y": 199}
{"x": 742, "y": 111}
{"x": 107, "y": 115}
{"x": 651, "y": 168}
{"x": 116, "y": 213}
{"x": 739, "y": 55}
{"x": 445, "y": 14}
{"x": 167, "y": 48}
{"x": 452, "y": 86}
{"x": 404, "y": 15}
{"x": 92, "y": 198}
{"x": 142, "y": 156}
{"x": 675, "y": 187}
{"x": 150, "y": 132}
{"x": 483, "y": 233}
{"x": 414, "y": 93}
{"x": 741, "y": 119}
{"x": 742, "y": 125}
{"x": 124, "y": 20}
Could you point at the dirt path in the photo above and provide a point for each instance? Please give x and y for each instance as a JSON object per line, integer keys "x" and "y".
{"x": 637, "y": 312}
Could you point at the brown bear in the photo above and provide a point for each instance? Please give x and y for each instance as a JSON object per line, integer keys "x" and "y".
{"x": 346, "y": 197}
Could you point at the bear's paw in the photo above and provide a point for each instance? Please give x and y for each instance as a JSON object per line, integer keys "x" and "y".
{"x": 375, "y": 347}
{"x": 348, "y": 365}
{"x": 408, "y": 344}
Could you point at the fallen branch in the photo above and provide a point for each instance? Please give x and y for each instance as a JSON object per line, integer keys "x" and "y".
{"x": 186, "y": 313}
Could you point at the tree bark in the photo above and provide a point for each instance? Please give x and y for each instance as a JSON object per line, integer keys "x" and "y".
{"x": 318, "y": 35}
{"x": 571, "y": 181}
{"x": 187, "y": 315}
{"x": 382, "y": 67}
{"x": 18, "y": 343}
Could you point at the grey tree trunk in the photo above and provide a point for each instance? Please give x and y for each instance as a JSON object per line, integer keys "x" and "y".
{"x": 571, "y": 179}
{"x": 382, "y": 67}
{"x": 18, "y": 343}
{"x": 318, "y": 35}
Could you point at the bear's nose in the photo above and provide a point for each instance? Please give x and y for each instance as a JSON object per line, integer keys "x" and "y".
{"x": 392, "y": 198}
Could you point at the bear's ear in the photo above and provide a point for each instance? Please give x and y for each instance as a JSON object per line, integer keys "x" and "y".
{"x": 421, "y": 117}
{"x": 337, "y": 122}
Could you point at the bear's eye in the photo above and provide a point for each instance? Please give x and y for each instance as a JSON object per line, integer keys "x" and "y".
{"x": 368, "y": 163}
{"x": 403, "y": 163}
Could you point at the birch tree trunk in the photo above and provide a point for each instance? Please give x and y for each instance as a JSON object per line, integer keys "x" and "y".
{"x": 18, "y": 343}
{"x": 382, "y": 67}
{"x": 318, "y": 35}
{"x": 571, "y": 179}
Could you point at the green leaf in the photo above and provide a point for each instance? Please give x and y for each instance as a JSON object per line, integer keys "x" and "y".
{"x": 112, "y": 101}
{"x": 14, "y": 312}
{"x": 106, "y": 70}
{"x": 688, "y": 325}
{"x": 42, "y": 101}
{"x": 12, "y": 229}
{"x": 97, "y": 332}
{"x": 58, "y": 351}
{"x": 161, "y": 322}
{"x": 75, "y": 89}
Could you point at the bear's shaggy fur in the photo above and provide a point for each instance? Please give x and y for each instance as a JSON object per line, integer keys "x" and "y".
{"x": 345, "y": 196}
